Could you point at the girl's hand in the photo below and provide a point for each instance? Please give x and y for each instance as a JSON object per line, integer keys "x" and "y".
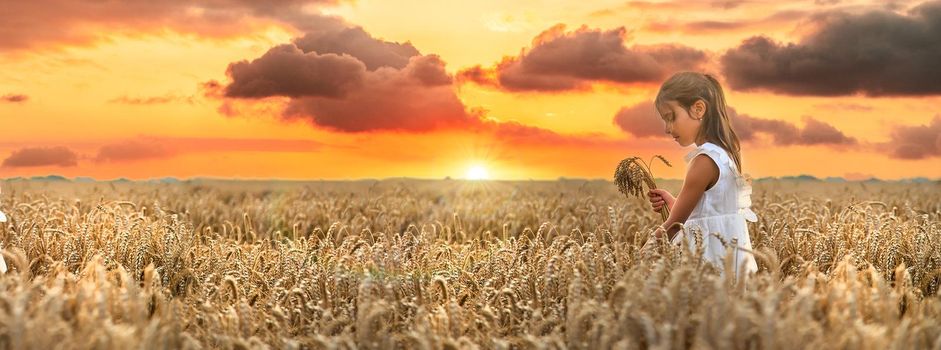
{"x": 658, "y": 232}
{"x": 660, "y": 197}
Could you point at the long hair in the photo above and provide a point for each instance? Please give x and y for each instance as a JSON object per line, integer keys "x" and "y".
{"x": 688, "y": 87}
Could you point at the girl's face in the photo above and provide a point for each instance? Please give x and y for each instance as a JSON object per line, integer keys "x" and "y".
{"x": 683, "y": 126}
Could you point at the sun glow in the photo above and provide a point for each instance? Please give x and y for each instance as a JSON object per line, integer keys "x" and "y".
{"x": 477, "y": 172}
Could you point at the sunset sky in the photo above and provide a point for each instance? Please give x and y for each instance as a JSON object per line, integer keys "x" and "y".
{"x": 335, "y": 89}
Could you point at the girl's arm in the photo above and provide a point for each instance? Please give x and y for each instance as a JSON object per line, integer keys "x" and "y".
{"x": 702, "y": 172}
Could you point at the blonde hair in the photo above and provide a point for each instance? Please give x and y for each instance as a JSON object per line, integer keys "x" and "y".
{"x": 688, "y": 87}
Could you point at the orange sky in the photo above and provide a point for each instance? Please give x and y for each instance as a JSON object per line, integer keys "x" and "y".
{"x": 153, "y": 90}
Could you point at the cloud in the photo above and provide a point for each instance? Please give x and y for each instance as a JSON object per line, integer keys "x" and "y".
{"x": 152, "y": 100}
{"x": 845, "y": 106}
{"x": 915, "y": 142}
{"x": 418, "y": 98}
{"x": 30, "y": 24}
{"x": 816, "y": 132}
{"x": 130, "y": 150}
{"x": 382, "y": 95}
{"x": 747, "y": 127}
{"x": 358, "y": 43}
{"x": 345, "y": 80}
{"x": 285, "y": 70}
{"x": 327, "y": 62}
{"x": 875, "y": 53}
{"x": 429, "y": 70}
{"x": 14, "y": 98}
{"x": 561, "y": 60}
{"x": 685, "y": 6}
{"x": 149, "y": 147}
{"x": 641, "y": 120}
{"x": 712, "y": 26}
{"x": 41, "y": 156}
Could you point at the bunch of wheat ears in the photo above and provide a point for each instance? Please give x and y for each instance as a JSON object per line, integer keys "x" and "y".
{"x": 632, "y": 174}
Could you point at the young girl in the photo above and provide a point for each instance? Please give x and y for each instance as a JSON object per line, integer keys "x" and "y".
{"x": 715, "y": 197}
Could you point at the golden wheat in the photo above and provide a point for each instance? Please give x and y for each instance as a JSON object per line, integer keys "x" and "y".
{"x": 450, "y": 264}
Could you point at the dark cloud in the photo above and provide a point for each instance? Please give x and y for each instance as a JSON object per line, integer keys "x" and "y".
{"x": 285, "y": 70}
{"x": 29, "y": 24}
{"x": 429, "y": 70}
{"x": 479, "y": 75}
{"x": 41, "y": 156}
{"x": 357, "y": 43}
{"x": 641, "y": 120}
{"x": 329, "y": 63}
{"x": 346, "y": 80}
{"x": 816, "y": 132}
{"x": 747, "y": 127}
{"x": 418, "y": 98}
{"x": 915, "y": 142}
{"x": 876, "y": 53}
{"x": 14, "y": 98}
{"x": 561, "y": 60}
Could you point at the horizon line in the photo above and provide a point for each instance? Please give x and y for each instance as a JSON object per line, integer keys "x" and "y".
{"x": 802, "y": 177}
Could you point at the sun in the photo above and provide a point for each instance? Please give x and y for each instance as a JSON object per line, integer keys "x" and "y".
{"x": 477, "y": 172}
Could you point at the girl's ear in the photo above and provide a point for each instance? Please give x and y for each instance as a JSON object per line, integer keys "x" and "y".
{"x": 698, "y": 109}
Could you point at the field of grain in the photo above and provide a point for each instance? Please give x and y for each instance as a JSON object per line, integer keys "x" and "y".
{"x": 454, "y": 264}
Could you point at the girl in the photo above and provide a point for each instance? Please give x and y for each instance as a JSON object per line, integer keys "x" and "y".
{"x": 715, "y": 198}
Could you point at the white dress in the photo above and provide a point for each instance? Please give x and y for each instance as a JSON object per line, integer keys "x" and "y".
{"x": 723, "y": 211}
{"x": 3, "y": 263}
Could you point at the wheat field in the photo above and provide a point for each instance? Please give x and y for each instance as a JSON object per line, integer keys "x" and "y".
{"x": 447, "y": 264}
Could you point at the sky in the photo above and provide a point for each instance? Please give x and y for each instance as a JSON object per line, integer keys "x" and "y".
{"x": 338, "y": 89}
